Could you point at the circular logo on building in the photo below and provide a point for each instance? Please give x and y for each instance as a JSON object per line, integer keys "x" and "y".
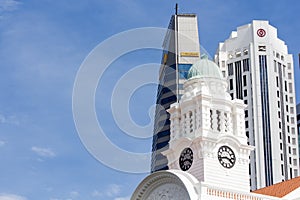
{"x": 261, "y": 32}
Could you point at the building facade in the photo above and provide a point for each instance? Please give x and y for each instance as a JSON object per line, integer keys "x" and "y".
{"x": 181, "y": 50}
{"x": 259, "y": 70}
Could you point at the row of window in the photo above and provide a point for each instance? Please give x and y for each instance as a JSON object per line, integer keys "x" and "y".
{"x": 238, "y": 53}
{"x": 291, "y": 172}
{"x": 288, "y": 87}
{"x": 287, "y": 99}
{"x": 237, "y": 65}
{"x": 277, "y": 55}
{"x": 261, "y": 48}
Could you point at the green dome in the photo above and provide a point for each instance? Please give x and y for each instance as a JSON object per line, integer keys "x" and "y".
{"x": 204, "y": 68}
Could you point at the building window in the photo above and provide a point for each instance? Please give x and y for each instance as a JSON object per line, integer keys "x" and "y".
{"x": 246, "y": 113}
{"x": 223, "y": 64}
{"x": 246, "y": 65}
{"x": 264, "y": 87}
{"x": 294, "y": 151}
{"x": 292, "y": 110}
{"x": 285, "y": 86}
{"x": 244, "y": 80}
{"x": 224, "y": 74}
{"x": 280, "y": 135}
{"x": 245, "y": 93}
{"x": 238, "y": 80}
{"x": 290, "y": 87}
{"x": 230, "y": 69}
{"x": 293, "y": 131}
{"x": 246, "y": 124}
{"x": 230, "y": 84}
{"x": 292, "y": 120}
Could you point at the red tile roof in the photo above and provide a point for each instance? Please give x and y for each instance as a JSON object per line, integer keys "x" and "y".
{"x": 280, "y": 189}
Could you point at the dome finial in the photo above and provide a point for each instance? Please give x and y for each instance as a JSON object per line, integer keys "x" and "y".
{"x": 204, "y": 56}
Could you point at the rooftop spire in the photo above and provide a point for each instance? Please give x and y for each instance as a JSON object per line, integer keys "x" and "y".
{"x": 176, "y": 9}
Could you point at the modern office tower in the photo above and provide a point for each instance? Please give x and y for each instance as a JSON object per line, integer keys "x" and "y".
{"x": 181, "y": 50}
{"x": 298, "y": 127}
{"x": 260, "y": 71}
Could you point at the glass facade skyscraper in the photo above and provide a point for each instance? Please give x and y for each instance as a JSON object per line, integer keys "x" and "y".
{"x": 181, "y": 50}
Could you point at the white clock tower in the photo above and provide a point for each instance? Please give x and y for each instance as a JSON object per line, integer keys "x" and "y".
{"x": 208, "y": 137}
{"x": 208, "y": 154}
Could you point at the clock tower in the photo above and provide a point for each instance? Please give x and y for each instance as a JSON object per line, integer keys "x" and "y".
{"x": 208, "y": 137}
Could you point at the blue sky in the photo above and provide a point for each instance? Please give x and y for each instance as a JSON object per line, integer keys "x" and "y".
{"x": 42, "y": 46}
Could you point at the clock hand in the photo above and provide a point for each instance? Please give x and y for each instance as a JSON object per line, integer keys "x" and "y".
{"x": 222, "y": 157}
{"x": 230, "y": 160}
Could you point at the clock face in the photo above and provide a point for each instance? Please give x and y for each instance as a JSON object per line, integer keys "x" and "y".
{"x": 226, "y": 157}
{"x": 186, "y": 159}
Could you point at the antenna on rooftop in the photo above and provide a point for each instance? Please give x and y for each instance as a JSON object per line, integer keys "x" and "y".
{"x": 299, "y": 59}
{"x": 176, "y": 9}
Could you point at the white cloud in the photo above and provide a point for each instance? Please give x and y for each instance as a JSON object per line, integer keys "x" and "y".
{"x": 2, "y": 143}
{"x": 113, "y": 190}
{"x": 11, "y": 197}
{"x": 96, "y": 193}
{"x": 122, "y": 198}
{"x": 9, "y": 5}
{"x": 43, "y": 152}
{"x": 12, "y": 119}
{"x": 74, "y": 194}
